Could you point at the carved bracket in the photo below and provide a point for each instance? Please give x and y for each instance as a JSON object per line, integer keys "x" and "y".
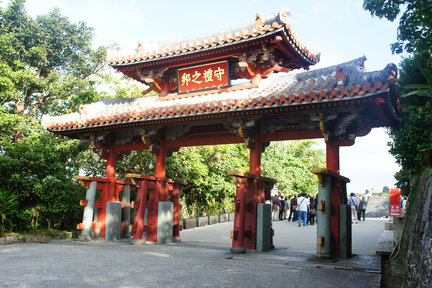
{"x": 246, "y": 130}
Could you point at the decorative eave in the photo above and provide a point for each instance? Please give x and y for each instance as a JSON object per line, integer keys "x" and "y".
{"x": 271, "y": 32}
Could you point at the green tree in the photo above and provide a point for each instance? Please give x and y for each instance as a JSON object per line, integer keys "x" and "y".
{"x": 414, "y": 32}
{"x": 291, "y": 163}
{"x": 8, "y": 208}
{"x": 209, "y": 189}
{"x": 411, "y": 145}
{"x": 46, "y": 62}
{"x": 45, "y": 67}
{"x": 38, "y": 169}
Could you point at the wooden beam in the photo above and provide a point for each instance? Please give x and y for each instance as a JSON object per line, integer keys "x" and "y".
{"x": 205, "y": 141}
{"x": 292, "y": 135}
{"x": 233, "y": 139}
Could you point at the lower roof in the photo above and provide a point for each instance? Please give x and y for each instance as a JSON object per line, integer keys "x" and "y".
{"x": 346, "y": 91}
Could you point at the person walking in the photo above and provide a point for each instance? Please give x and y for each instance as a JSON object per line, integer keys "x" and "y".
{"x": 286, "y": 207}
{"x": 404, "y": 203}
{"x": 312, "y": 211}
{"x": 362, "y": 207}
{"x": 352, "y": 202}
{"x": 282, "y": 207}
{"x": 293, "y": 208}
{"x": 276, "y": 207}
{"x": 358, "y": 205}
{"x": 303, "y": 209}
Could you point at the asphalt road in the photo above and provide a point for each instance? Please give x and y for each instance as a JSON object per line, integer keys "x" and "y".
{"x": 202, "y": 259}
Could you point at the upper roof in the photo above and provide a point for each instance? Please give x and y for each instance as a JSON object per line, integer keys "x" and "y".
{"x": 270, "y": 30}
{"x": 324, "y": 90}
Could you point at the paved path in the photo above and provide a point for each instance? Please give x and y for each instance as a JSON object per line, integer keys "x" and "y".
{"x": 289, "y": 236}
{"x": 203, "y": 262}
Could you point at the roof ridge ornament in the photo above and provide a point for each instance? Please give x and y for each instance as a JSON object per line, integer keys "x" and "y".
{"x": 258, "y": 21}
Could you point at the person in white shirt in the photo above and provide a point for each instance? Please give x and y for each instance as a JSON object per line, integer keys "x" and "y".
{"x": 303, "y": 208}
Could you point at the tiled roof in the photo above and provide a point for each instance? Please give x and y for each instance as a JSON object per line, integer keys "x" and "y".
{"x": 269, "y": 25}
{"x": 340, "y": 82}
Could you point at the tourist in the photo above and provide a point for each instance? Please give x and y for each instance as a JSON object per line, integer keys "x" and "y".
{"x": 282, "y": 208}
{"x": 276, "y": 207}
{"x": 404, "y": 205}
{"x": 352, "y": 202}
{"x": 293, "y": 208}
{"x": 358, "y": 205}
{"x": 312, "y": 211}
{"x": 362, "y": 207}
{"x": 302, "y": 209}
{"x": 286, "y": 209}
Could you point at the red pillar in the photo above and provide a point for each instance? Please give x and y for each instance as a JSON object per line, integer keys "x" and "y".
{"x": 160, "y": 172}
{"x": 140, "y": 206}
{"x": 332, "y": 155}
{"x": 107, "y": 194}
{"x": 159, "y": 194}
{"x": 238, "y": 237}
{"x": 255, "y": 157}
{"x": 160, "y": 161}
{"x": 336, "y": 198}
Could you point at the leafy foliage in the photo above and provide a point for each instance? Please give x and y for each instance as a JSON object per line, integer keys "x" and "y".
{"x": 38, "y": 168}
{"x": 424, "y": 90}
{"x": 8, "y": 208}
{"x": 414, "y": 31}
{"x": 291, "y": 163}
{"x": 210, "y": 190}
{"x": 116, "y": 85}
{"x": 411, "y": 144}
{"x": 45, "y": 63}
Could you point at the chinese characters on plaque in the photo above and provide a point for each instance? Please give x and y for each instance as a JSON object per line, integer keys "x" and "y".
{"x": 203, "y": 76}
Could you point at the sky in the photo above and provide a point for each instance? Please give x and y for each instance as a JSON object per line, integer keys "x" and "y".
{"x": 339, "y": 29}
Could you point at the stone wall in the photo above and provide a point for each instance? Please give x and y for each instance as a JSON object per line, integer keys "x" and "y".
{"x": 377, "y": 207}
{"x": 415, "y": 252}
{"x": 206, "y": 220}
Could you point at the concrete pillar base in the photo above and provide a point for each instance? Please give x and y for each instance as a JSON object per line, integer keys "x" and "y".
{"x": 85, "y": 238}
{"x": 238, "y": 250}
{"x": 324, "y": 256}
{"x": 138, "y": 242}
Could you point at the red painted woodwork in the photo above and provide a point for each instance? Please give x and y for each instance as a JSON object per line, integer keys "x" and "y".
{"x": 174, "y": 188}
{"x": 332, "y": 155}
{"x": 140, "y": 206}
{"x": 240, "y": 211}
{"x": 203, "y": 76}
{"x": 104, "y": 185}
{"x": 251, "y": 190}
{"x": 337, "y": 197}
{"x": 255, "y": 157}
{"x": 150, "y": 192}
{"x": 268, "y": 137}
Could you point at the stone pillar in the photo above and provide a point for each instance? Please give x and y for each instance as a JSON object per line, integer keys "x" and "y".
{"x": 329, "y": 209}
{"x": 125, "y": 215}
{"x": 89, "y": 211}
